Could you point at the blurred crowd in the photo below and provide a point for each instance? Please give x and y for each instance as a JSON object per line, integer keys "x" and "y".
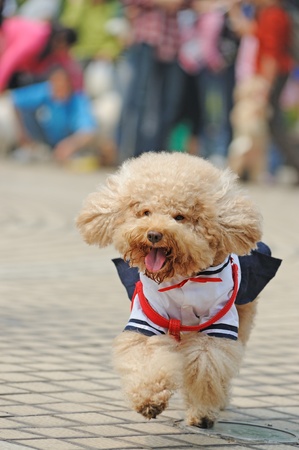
{"x": 94, "y": 82}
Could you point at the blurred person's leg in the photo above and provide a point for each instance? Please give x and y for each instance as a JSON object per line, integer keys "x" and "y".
{"x": 172, "y": 88}
{"x": 32, "y": 126}
{"x": 130, "y": 129}
{"x": 32, "y": 143}
{"x": 275, "y": 159}
{"x": 210, "y": 107}
{"x": 228, "y": 90}
{"x": 8, "y": 125}
{"x": 161, "y": 104}
{"x": 215, "y": 100}
{"x": 185, "y": 131}
{"x": 149, "y": 125}
{"x": 288, "y": 147}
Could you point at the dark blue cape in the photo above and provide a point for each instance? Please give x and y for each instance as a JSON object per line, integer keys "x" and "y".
{"x": 257, "y": 269}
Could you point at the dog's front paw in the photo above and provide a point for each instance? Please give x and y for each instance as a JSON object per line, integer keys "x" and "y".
{"x": 203, "y": 422}
{"x": 152, "y": 410}
{"x": 201, "y": 419}
{"x": 151, "y": 406}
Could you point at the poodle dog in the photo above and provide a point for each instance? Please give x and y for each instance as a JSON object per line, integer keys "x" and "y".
{"x": 182, "y": 224}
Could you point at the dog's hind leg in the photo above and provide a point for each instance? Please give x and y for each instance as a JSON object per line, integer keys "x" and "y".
{"x": 210, "y": 363}
{"x": 246, "y": 314}
{"x": 150, "y": 368}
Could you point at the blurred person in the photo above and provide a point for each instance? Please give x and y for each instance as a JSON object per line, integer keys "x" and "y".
{"x": 154, "y": 92}
{"x": 250, "y": 113}
{"x": 52, "y": 113}
{"x": 9, "y": 7}
{"x": 30, "y": 47}
{"x": 58, "y": 51}
{"x": 245, "y": 64}
{"x": 248, "y": 150}
{"x": 273, "y": 62}
{"x": 92, "y": 19}
{"x": 208, "y": 51}
{"x": 292, "y": 8}
{"x": 102, "y": 30}
{"x": 40, "y": 9}
{"x": 8, "y": 125}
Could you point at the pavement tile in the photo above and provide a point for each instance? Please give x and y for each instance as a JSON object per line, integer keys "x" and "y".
{"x": 31, "y": 399}
{"x": 81, "y": 385}
{"x": 58, "y": 432}
{"x": 91, "y": 418}
{"x": 7, "y": 389}
{"x": 15, "y": 434}
{"x": 291, "y": 410}
{"x": 4, "y": 445}
{"x": 153, "y": 441}
{"x": 70, "y": 408}
{"x": 244, "y": 391}
{"x": 290, "y": 378}
{"x": 12, "y": 368}
{"x": 237, "y": 415}
{"x": 43, "y": 421}
{"x": 282, "y": 400}
{"x": 247, "y": 402}
{"x": 23, "y": 410}
{"x": 111, "y": 406}
{"x": 78, "y": 397}
{"x": 265, "y": 413}
{"x": 38, "y": 386}
{"x": 47, "y": 444}
{"x": 152, "y": 428}
{"x": 107, "y": 395}
{"x": 103, "y": 443}
{"x": 44, "y": 367}
{"x": 4, "y": 402}
{"x": 106, "y": 430}
{"x": 198, "y": 439}
{"x": 280, "y": 390}
{"x": 61, "y": 375}
{"x": 275, "y": 447}
{"x": 8, "y": 423}
{"x": 16, "y": 377}
{"x": 126, "y": 416}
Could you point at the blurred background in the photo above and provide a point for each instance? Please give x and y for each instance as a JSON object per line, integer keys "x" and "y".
{"x": 87, "y": 84}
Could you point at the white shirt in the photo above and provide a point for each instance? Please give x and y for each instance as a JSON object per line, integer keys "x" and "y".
{"x": 194, "y": 303}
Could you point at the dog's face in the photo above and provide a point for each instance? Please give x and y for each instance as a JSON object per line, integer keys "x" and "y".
{"x": 171, "y": 214}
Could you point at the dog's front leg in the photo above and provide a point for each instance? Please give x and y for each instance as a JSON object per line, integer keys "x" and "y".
{"x": 150, "y": 368}
{"x": 209, "y": 366}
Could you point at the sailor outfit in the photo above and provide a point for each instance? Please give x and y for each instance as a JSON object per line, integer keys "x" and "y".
{"x": 194, "y": 301}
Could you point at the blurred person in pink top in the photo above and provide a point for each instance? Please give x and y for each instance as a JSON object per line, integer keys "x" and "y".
{"x": 207, "y": 55}
{"x": 28, "y": 48}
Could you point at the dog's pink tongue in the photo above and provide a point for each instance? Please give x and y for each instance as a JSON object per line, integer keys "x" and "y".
{"x": 155, "y": 259}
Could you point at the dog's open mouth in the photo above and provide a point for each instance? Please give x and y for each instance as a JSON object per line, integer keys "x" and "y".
{"x": 156, "y": 259}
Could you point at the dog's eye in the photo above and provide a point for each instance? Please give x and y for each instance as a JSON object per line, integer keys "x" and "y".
{"x": 179, "y": 217}
{"x": 146, "y": 213}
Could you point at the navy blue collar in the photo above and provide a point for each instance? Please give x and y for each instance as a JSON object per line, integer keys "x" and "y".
{"x": 212, "y": 272}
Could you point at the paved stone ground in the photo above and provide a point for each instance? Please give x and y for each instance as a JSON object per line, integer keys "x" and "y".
{"x": 62, "y": 304}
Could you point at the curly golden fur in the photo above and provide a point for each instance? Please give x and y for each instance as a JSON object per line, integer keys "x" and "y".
{"x": 196, "y": 215}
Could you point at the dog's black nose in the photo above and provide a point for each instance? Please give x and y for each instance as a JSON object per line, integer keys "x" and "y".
{"x": 154, "y": 236}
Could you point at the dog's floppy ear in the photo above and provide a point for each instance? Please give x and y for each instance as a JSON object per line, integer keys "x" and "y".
{"x": 100, "y": 213}
{"x": 239, "y": 219}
